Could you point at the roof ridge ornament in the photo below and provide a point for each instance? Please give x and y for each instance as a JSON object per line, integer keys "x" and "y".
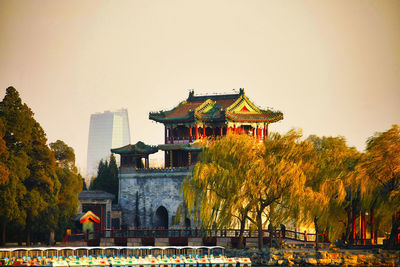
{"x": 191, "y": 94}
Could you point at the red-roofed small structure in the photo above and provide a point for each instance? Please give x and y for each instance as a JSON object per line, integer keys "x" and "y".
{"x": 89, "y": 217}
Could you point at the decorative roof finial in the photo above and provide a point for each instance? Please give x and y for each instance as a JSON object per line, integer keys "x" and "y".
{"x": 241, "y": 91}
{"x": 191, "y": 94}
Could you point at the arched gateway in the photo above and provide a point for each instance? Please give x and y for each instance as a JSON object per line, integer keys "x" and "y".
{"x": 161, "y": 218}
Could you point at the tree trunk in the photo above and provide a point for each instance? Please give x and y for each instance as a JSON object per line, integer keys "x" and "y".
{"x": 51, "y": 238}
{"x": 354, "y": 216}
{"x": 20, "y": 238}
{"x": 316, "y": 232}
{"x": 348, "y": 226}
{"x": 372, "y": 226}
{"x": 3, "y": 234}
{"x": 28, "y": 237}
{"x": 260, "y": 230}
{"x": 271, "y": 231}
{"x": 241, "y": 232}
{"x": 393, "y": 242}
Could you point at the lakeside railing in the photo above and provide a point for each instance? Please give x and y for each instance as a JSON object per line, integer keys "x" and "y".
{"x": 184, "y": 234}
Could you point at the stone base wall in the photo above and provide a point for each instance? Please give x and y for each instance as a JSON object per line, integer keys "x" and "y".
{"x": 161, "y": 242}
{"x": 142, "y": 193}
{"x": 106, "y": 241}
{"x": 195, "y": 241}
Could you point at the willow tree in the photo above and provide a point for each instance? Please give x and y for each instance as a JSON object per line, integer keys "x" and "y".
{"x": 236, "y": 177}
{"x": 276, "y": 181}
{"x": 331, "y": 205}
{"x": 379, "y": 177}
{"x": 215, "y": 193}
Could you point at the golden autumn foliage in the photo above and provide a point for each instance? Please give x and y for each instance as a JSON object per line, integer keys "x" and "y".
{"x": 378, "y": 175}
{"x": 318, "y": 181}
{"x": 239, "y": 179}
{"x": 329, "y": 178}
{"x": 218, "y": 180}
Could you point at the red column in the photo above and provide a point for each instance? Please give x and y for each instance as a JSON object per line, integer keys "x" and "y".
{"x": 266, "y": 132}
{"x": 234, "y": 129}
{"x": 165, "y": 134}
{"x": 363, "y": 226}
{"x": 190, "y": 134}
{"x": 256, "y": 132}
{"x": 171, "y": 134}
{"x": 213, "y": 131}
{"x": 204, "y": 131}
{"x": 197, "y": 132}
{"x": 221, "y": 130}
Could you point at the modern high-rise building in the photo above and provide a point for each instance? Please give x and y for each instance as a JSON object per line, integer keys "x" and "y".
{"x": 107, "y": 130}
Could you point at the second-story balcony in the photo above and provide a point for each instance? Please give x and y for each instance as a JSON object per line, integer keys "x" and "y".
{"x": 130, "y": 170}
{"x": 179, "y": 139}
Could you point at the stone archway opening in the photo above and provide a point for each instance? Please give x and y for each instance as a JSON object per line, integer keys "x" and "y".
{"x": 161, "y": 218}
{"x": 187, "y": 223}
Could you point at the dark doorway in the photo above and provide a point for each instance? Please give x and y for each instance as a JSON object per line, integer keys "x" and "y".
{"x": 187, "y": 223}
{"x": 161, "y": 220}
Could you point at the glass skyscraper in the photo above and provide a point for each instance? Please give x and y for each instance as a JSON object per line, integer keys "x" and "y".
{"x": 107, "y": 130}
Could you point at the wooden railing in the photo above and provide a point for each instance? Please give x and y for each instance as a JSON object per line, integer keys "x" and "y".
{"x": 204, "y": 233}
{"x": 180, "y": 139}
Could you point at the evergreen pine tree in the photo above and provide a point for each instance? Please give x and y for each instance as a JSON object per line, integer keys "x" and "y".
{"x": 18, "y": 124}
{"x": 107, "y": 177}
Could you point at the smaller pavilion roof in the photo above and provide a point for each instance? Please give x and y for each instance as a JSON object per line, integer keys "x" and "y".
{"x": 139, "y": 148}
{"x": 193, "y": 147}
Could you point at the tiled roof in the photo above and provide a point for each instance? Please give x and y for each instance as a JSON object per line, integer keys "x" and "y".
{"x": 195, "y": 146}
{"x": 216, "y": 108}
{"x": 184, "y": 108}
{"x": 138, "y": 148}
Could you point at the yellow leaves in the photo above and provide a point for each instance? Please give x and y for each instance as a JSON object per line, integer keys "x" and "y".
{"x": 236, "y": 172}
{"x": 378, "y": 173}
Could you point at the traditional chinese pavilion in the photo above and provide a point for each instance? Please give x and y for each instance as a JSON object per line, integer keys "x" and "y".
{"x": 209, "y": 116}
{"x": 132, "y": 155}
{"x": 150, "y": 198}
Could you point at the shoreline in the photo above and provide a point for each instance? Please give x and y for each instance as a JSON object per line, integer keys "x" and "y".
{"x": 323, "y": 257}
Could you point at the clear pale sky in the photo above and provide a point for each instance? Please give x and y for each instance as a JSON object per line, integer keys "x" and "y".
{"x": 332, "y": 67}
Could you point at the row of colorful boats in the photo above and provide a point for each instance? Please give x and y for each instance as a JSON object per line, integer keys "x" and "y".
{"x": 158, "y": 259}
